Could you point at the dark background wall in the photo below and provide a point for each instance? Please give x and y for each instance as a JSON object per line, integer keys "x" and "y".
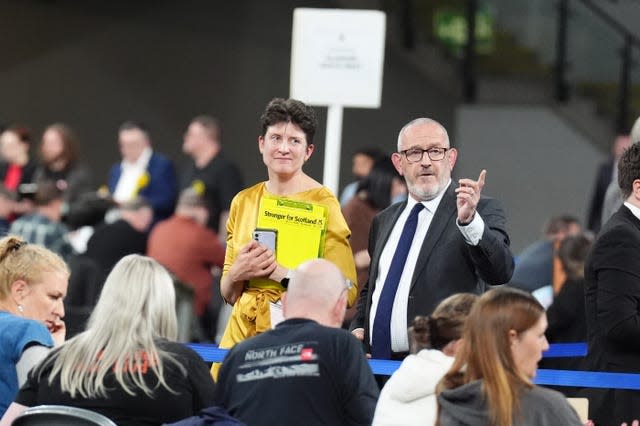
{"x": 94, "y": 64}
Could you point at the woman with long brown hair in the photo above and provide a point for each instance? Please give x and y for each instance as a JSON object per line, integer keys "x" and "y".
{"x": 60, "y": 163}
{"x": 490, "y": 381}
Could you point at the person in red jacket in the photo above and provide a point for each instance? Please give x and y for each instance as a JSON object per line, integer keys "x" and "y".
{"x": 185, "y": 246}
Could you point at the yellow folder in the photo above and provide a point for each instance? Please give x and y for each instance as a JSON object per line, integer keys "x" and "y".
{"x": 301, "y": 229}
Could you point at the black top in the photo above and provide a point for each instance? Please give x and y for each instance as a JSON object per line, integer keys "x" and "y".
{"x": 193, "y": 389}
{"x": 299, "y": 373}
{"x": 222, "y": 181}
{"x": 111, "y": 242}
{"x": 76, "y": 180}
{"x": 567, "y": 324}
{"x": 28, "y": 174}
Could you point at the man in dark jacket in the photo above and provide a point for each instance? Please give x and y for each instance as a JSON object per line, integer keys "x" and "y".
{"x": 612, "y": 295}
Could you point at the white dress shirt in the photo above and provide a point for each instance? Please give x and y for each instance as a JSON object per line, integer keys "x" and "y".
{"x": 130, "y": 174}
{"x": 635, "y": 210}
{"x": 471, "y": 233}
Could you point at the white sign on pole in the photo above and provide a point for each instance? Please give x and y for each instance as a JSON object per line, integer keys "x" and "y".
{"x": 337, "y": 57}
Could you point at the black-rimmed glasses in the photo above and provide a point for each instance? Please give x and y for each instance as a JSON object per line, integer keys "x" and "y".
{"x": 413, "y": 155}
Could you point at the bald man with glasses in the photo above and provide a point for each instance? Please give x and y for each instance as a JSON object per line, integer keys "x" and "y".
{"x": 446, "y": 238}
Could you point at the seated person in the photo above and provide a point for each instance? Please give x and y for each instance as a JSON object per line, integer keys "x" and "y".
{"x": 17, "y": 167}
{"x": 33, "y": 283}
{"x": 128, "y": 235}
{"x": 142, "y": 172}
{"x": 185, "y": 246}
{"x": 409, "y": 396}
{"x": 126, "y": 365}
{"x": 43, "y": 226}
{"x": 60, "y": 163}
{"x": 538, "y": 264}
{"x": 490, "y": 381}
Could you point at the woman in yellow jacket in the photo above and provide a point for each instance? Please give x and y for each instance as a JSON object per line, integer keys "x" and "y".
{"x": 288, "y": 127}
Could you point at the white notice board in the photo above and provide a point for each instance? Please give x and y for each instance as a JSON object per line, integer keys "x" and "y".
{"x": 337, "y": 57}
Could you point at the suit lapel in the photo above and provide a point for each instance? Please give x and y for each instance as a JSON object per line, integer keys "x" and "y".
{"x": 385, "y": 230}
{"x": 441, "y": 217}
{"x": 628, "y": 214}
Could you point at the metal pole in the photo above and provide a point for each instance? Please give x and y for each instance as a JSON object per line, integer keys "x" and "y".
{"x": 331, "y": 172}
{"x": 468, "y": 63}
{"x": 562, "y": 88}
{"x": 623, "y": 94}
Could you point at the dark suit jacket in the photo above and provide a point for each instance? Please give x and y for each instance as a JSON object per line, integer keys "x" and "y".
{"x": 612, "y": 296}
{"x": 446, "y": 264}
{"x": 162, "y": 189}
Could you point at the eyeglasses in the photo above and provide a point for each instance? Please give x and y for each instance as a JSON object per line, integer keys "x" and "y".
{"x": 348, "y": 284}
{"x": 413, "y": 155}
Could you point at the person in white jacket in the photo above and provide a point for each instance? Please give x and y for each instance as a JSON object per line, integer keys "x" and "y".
{"x": 409, "y": 397}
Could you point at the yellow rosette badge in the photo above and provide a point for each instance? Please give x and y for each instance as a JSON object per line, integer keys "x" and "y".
{"x": 199, "y": 187}
{"x": 103, "y": 191}
{"x": 143, "y": 181}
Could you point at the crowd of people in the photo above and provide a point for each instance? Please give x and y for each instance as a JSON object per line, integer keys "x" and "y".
{"x": 411, "y": 265}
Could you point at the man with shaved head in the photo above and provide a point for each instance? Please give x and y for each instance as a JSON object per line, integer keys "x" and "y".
{"x": 306, "y": 370}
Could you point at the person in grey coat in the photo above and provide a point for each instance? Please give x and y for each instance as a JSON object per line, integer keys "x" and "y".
{"x": 490, "y": 381}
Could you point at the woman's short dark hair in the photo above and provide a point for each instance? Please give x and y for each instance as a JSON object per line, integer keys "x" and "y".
{"x": 279, "y": 110}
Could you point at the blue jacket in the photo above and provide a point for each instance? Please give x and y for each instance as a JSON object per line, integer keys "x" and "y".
{"x": 162, "y": 189}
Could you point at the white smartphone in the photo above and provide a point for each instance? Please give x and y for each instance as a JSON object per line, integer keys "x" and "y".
{"x": 266, "y": 237}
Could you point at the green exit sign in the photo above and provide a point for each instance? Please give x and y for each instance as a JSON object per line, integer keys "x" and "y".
{"x": 450, "y": 27}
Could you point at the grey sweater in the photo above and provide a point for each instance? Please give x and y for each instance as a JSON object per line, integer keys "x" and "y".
{"x": 466, "y": 405}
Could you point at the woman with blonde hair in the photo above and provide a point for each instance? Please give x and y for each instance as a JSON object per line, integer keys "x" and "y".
{"x": 126, "y": 365}
{"x": 33, "y": 283}
{"x": 409, "y": 397}
{"x": 490, "y": 382}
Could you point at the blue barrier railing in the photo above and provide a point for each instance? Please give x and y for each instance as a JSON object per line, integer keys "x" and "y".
{"x": 588, "y": 379}
{"x": 212, "y": 353}
{"x": 566, "y": 350}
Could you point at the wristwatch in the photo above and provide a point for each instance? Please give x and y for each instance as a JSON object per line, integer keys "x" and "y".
{"x": 285, "y": 281}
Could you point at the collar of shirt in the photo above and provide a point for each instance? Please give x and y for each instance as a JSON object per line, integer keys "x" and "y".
{"x": 635, "y": 210}
{"x": 140, "y": 163}
{"x": 399, "y": 338}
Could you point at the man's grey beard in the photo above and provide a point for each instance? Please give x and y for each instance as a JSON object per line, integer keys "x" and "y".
{"x": 421, "y": 195}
